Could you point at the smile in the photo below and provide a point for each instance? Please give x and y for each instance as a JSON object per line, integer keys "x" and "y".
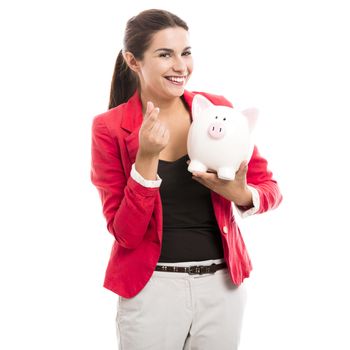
{"x": 176, "y": 79}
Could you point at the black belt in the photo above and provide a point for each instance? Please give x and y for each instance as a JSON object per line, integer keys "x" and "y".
{"x": 192, "y": 270}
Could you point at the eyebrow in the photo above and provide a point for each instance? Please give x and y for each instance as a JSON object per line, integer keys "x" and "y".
{"x": 171, "y": 50}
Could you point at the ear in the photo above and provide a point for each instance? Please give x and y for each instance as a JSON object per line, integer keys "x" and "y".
{"x": 131, "y": 61}
{"x": 199, "y": 103}
{"x": 252, "y": 116}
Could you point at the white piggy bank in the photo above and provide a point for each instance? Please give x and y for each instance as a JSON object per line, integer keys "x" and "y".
{"x": 220, "y": 138}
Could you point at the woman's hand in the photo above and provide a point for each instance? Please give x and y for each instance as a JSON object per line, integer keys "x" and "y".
{"x": 234, "y": 190}
{"x": 153, "y": 134}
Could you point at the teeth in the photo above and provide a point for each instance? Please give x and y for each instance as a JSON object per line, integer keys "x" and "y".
{"x": 177, "y": 79}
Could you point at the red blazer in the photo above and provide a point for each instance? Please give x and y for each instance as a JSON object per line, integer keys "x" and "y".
{"x": 134, "y": 212}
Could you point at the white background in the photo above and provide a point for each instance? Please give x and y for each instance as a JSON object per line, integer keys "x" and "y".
{"x": 290, "y": 59}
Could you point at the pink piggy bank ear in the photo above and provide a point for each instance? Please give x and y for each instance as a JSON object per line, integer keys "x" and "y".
{"x": 199, "y": 104}
{"x": 252, "y": 116}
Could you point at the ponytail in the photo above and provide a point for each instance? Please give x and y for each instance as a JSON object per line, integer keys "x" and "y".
{"x": 124, "y": 83}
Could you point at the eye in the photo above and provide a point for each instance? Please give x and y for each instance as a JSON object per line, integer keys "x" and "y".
{"x": 216, "y": 117}
{"x": 187, "y": 53}
{"x": 164, "y": 54}
{"x": 224, "y": 118}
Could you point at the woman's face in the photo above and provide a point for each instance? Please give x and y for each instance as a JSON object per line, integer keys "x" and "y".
{"x": 167, "y": 64}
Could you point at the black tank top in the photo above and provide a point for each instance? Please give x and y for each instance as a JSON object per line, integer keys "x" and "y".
{"x": 190, "y": 229}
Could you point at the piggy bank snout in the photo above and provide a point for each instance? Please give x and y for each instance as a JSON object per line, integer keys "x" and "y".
{"x": 216, "y": 130}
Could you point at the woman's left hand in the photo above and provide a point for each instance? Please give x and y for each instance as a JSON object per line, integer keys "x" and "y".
{"x": 234, "y": 190}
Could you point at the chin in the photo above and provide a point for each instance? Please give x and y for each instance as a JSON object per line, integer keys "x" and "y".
{"x": 178, "y": 92}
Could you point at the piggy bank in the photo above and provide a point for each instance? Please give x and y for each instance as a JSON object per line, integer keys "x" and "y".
{"x": 219, "y": 138}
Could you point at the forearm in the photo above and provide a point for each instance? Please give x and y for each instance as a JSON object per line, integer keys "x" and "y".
{"x": 260, "y": 180}
{"x": 270, "y": 196}
{"x": 131, "y": 220}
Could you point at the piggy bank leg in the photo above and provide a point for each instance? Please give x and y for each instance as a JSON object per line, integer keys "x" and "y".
{"x": 195, "y": 165}
{"x": 226, "y": 173}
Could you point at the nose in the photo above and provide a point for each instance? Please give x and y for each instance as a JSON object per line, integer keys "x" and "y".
{"x": 180, "y": 65}
{"x": 216, "y": 130}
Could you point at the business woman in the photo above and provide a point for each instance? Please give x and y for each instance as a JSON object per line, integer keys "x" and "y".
{"x": 178, "y": 260}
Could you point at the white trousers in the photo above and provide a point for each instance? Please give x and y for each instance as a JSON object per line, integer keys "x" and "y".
{"x": 178, "y": 311}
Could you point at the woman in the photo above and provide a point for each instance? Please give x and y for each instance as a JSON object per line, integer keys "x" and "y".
{"x": 178, "y": 259}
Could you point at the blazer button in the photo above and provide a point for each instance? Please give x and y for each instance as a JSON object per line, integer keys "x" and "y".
{"x": 225, "y": 229}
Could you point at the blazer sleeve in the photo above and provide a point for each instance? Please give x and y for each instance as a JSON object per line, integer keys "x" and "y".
{"x": 127, "y": 205}
{"x": 261, "y": 178}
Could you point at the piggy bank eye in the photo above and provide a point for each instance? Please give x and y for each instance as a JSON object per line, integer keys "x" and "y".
{"x": 224, "y": 118}
{"x": 216, "y": 117}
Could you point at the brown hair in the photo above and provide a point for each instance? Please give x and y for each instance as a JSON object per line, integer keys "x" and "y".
{"x": 137, "y": 38}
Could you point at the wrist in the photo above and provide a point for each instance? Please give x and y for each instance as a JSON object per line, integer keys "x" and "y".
{"x": 144, "y": 156}
{"x": 146, "y": 165}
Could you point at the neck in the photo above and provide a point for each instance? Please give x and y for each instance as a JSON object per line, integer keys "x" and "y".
{"x": 166, "y": 107}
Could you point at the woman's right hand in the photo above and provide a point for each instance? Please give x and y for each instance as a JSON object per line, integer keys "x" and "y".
{"x": 153, "y": 134}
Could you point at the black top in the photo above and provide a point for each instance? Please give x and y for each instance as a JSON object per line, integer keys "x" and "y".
{"x": 190, "y": 229}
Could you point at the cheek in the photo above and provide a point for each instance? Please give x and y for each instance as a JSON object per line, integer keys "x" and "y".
{"x": 190, "y": 64}
{"x": 162, "y": 68}
{"x": 155, "y": 68}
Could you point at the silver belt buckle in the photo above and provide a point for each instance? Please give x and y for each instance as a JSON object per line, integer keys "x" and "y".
{"x": 193, "y": 270}
{"x": 199, "y": 270}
